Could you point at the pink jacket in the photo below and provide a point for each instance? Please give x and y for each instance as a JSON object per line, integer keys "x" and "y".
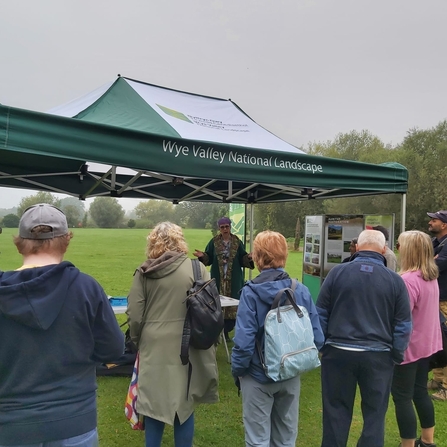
{"x": 425, "y": 339}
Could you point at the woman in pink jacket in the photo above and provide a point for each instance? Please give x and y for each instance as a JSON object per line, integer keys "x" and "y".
{"x": 409, "y": 386}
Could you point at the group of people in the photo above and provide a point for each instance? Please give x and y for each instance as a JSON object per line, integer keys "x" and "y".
{"x": 375, "y": 329}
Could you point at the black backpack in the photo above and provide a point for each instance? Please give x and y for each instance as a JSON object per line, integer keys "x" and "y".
{"x": 122, "y": 366}
{"x": 204, "y": 320}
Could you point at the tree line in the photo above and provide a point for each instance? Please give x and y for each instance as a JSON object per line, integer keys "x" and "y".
{"x": 422, "y": 152}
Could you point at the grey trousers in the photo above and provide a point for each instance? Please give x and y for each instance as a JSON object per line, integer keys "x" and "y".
{"x": 270, "y": 412}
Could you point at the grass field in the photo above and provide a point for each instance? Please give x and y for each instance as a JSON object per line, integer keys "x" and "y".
{"x": 111, "y": 257}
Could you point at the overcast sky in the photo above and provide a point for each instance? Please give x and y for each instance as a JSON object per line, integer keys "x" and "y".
{"x": 305, "y": 70}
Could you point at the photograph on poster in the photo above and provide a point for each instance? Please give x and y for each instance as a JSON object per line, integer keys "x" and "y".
{"x": 316, "y": 249}
{"x": 340, "y": 230}
{"x": 334, "y": 258}
{"x": 309, "y": 238}
{"x": 308, "y": 248}
{"x": 307, "y": 257}
{"x": 312, "y": 270}
{"x": 315, "y": 259}
{"x": 316, "y": 238}
{"x": 335, "y": 232}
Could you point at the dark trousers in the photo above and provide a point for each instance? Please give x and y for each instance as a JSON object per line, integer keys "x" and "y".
{"x": 410, "y": 386}
{"x": 341, "y": 372}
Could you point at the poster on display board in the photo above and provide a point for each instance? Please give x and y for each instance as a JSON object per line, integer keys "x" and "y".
{"x": 312, "y": 252}
{"x": 384, "y": 220}
{"x": 327, "y": 239}
{"x": 339, "y": 230}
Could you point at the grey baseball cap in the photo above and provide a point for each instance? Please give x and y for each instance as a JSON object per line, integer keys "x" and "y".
{"x": 42, "y": 214}
{"x": 441, "y": 215}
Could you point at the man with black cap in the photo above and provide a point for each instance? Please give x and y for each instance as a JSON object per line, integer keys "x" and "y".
{"x": 438, "y": 227}
{"x": 55, "y": 324}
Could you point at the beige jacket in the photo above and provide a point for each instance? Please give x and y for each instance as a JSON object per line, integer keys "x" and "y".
{"x": 391, "y": 260}
{"x": 156, "y": 311}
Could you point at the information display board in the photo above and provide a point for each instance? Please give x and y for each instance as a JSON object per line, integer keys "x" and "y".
{"x": 327, "y": 239}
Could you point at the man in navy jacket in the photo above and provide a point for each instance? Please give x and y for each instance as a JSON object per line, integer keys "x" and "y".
{"x": 55, "y": 324}
{"x": 438, "y": 227}
{"x": 365, "y": 315}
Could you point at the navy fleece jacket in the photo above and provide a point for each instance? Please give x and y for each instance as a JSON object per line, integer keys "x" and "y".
{"x": 362, "y": 304}
{"x": 55, "y": 324}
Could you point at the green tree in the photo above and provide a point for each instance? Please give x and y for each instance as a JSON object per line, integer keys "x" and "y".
{"x": 367, "y": 148}
{"x": 200, "y": 214}
{"x": 282, "y": 217}
{"x": 40, "y": 197}
{"x": 107, "y": 212}
{"x": 424, "y": 153}
{"x": 131, "y": 223}
{"x": 155, "y": 211}
{"x": 74, "y": 209}
{"x": 72, "y": 214}
{"x": 85, "y": 220}
{"x": 11, "y": 221}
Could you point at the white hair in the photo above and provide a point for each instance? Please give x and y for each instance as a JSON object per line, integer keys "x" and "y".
{"x": 371, "y": 238}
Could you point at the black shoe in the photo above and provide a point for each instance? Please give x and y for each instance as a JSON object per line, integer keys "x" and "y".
{"x": 420, "y": 443}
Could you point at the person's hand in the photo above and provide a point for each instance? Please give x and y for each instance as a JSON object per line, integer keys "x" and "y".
{"x": 198, "y": 253}
{"x": 237, "y": 382}
{"x": 397, "y": 356}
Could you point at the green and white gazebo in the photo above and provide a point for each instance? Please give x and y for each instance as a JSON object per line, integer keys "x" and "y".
{"x": 133, "y": 139}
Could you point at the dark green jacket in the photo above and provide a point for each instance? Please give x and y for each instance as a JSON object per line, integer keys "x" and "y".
{"x": 234, "y": 280}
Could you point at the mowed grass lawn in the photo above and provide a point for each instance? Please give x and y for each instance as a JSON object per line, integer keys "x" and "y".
{"x": 111, "y": 257}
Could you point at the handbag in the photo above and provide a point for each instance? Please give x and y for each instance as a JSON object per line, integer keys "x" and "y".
{"x": 439, "y": 359}
{"x": 130, "y": 409}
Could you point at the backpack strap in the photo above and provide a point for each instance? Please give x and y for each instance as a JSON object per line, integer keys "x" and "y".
{"x": 186, "y": 336}
{"x": 196, "y": 269}
{"x": 291, "y": 301}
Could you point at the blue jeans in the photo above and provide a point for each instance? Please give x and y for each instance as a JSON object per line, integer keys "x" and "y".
{"x": 89, "y": 439}
{"x": 183, "y": 434}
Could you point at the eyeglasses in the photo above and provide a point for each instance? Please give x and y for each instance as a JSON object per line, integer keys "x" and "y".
{"x": 224, "y": 226}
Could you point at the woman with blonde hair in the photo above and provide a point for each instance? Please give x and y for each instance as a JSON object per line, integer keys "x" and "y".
{"x": 419, "y": 272}
{"x": 156, "y": 311}
{"x": 270, "y": 409}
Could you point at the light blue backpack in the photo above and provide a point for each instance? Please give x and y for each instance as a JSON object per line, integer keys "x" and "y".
{"x": 289, "y": 348}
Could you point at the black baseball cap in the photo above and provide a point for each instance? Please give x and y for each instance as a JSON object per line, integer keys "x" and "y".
{"x": 441, "y": 215}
